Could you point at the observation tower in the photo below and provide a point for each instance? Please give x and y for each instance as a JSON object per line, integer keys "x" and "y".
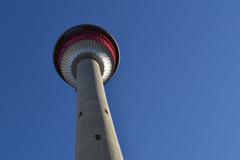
{"x": 86, "y": 57}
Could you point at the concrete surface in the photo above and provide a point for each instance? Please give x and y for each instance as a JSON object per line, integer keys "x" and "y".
{"x": 96, "y": 137}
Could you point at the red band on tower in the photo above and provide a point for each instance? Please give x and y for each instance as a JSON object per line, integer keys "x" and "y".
{"x": 87, "y": 36}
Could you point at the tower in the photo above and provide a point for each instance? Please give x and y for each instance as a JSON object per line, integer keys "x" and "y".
{"x": 86, "y": 57}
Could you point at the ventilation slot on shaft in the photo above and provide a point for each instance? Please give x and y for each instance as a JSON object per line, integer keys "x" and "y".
{"x": 98, "y": 137}
{"x": 106, "y": 111}
{"x": 80, "y": 114}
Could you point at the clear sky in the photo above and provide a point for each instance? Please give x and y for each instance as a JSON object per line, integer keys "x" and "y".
{"x": 176, "y": 95}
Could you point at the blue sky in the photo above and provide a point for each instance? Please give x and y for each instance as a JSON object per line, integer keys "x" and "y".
{"x": 175, "y": 95}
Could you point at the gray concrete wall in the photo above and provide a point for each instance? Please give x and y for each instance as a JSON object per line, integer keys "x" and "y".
{"x": 96, "y": 137}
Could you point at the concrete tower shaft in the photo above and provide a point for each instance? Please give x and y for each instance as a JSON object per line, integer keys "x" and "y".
{"x": 86, "y": 57}
{"x": 96, "y": 137}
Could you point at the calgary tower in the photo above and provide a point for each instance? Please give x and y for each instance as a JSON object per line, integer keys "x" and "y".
{"x": 86, "y": 57}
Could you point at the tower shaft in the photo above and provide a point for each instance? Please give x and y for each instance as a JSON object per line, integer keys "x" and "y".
{"x": 96, "y": 136}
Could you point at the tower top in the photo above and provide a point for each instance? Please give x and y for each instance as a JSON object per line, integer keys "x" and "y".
{"x": 85, "y": 41}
